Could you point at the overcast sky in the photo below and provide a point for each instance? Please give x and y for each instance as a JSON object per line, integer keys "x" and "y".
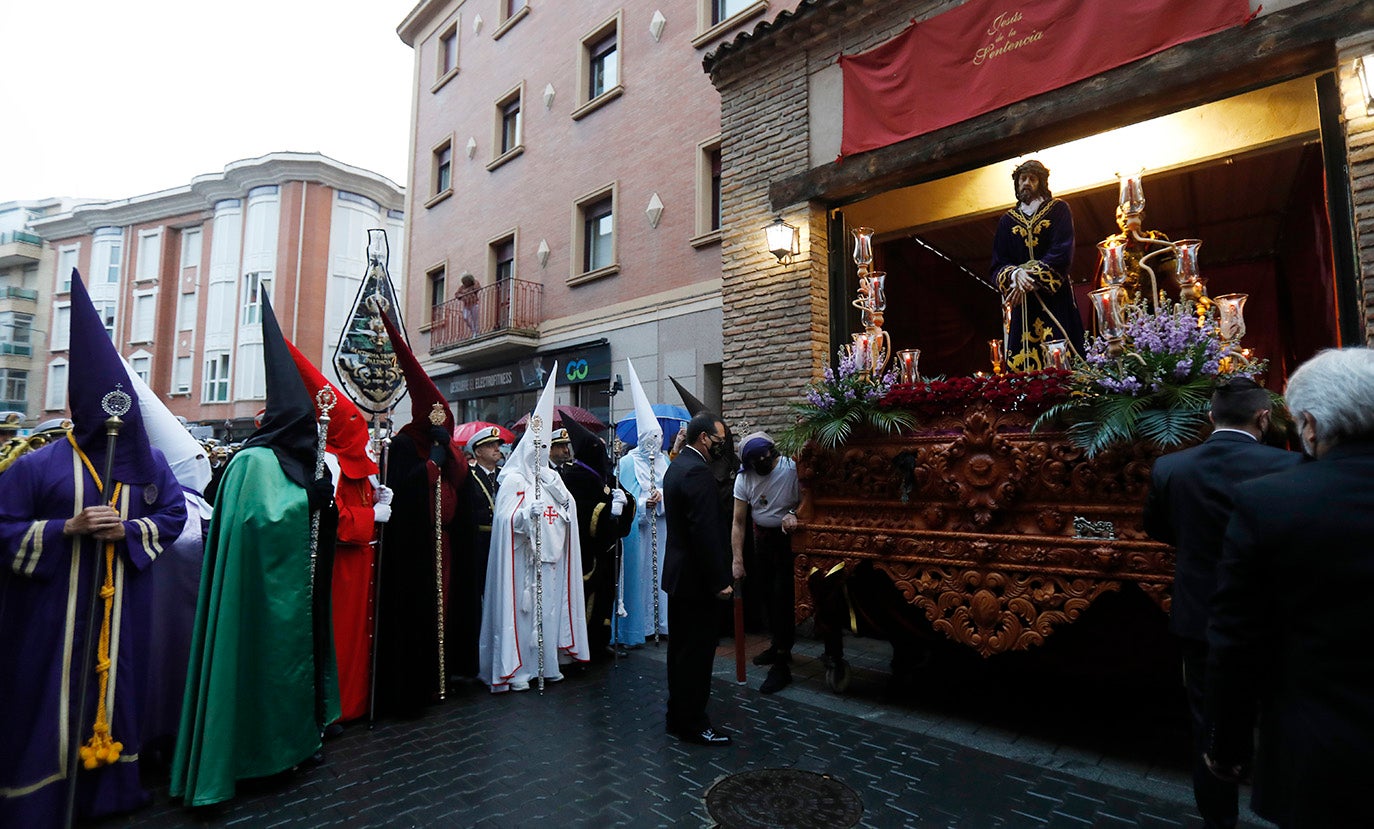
{"x": 116, "y": 98}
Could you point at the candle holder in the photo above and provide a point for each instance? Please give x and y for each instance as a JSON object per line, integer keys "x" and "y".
{"x": 863, "y": 246}
{"x": 1131, "y": 193}
{"x": 1108, "y": 304}
{"x": 1185, "y": 260}
{"x": 1231, "y": 317}
{"x": 1113, "y": 254}
{"x": 908, "y": 363}
{"x": 872, "y": 349}
{"x": 997, "y": 356}
{"x": 1056, "y": 353}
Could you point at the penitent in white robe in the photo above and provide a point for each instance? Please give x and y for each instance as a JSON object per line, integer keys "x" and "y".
{"x": 508, "y": 650}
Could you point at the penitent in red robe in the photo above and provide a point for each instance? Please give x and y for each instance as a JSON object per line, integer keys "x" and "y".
{"x": 353, "y": 560}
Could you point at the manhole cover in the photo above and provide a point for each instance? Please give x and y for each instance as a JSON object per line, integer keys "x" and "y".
{"x": 783, "y": 798}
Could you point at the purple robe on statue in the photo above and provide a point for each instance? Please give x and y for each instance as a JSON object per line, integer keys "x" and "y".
{"x": 45, "y": 583}
{"x": 1042, "y": 244}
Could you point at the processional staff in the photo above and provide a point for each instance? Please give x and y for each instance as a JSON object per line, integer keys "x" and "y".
{"x": 535, "y": 433}
{"x": 101, "y": 749}
{"x": 437, "y": 417}
{"x": 325, "y": 401}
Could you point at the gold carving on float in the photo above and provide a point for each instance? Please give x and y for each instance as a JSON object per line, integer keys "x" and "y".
{"x": 994, "y": 612}
{"x": 973, "y": 518}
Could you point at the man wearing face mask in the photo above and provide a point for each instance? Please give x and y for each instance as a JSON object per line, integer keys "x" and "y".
{"x": 767, "y": 485}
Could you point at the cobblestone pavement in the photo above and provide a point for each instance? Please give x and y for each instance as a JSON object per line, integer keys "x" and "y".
{"x": 591, "y": 751}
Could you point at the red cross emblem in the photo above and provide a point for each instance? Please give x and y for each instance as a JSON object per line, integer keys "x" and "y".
{"x": 550, "y": 513}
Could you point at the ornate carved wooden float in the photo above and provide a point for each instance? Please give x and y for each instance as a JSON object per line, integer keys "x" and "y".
{"x": 994, "y": 534}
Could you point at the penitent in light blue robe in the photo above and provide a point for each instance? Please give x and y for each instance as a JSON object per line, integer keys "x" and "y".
{"x": 638, "y": 584}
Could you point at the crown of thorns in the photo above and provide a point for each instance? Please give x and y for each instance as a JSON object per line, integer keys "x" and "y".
{"x": 1031, "y": 166}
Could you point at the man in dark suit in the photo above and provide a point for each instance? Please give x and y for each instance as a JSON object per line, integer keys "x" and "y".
{"x": 1290, "y": 623}
{"x": 1188, "y": 506}
{"x": 696, "y": 576}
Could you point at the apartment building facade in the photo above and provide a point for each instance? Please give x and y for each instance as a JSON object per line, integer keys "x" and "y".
{"x": 564, "y": 197}
{"x": 179, "y": 276}
{"x": 24, "y": 307}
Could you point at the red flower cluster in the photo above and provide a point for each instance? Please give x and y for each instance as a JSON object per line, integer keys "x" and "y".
{"x": 1030, "y": 392}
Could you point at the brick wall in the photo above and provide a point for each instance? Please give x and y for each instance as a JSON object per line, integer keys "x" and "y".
{"x": 776, "y": 316}
{"x": 1359, "y": 138}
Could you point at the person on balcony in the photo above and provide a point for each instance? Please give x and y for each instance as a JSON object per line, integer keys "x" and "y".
{"x": 469, "y": 299}
{"x": 1188, "y": 506}
{"x": 1031, "y": 256}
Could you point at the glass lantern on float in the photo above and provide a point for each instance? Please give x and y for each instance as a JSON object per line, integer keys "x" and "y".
{"x": 909, "y": 366}
{"x": 872, "y": 349}
{"x": 1056, "y": 353}
{"x": 1109, "y": 306}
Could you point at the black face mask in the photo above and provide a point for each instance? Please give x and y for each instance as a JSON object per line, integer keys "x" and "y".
{"x": 717, "y": 450}
{"x": 763, "y": 466}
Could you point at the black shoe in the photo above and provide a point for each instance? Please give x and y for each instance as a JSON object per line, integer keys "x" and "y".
{"x": 779, "y": 677}
{"x": 773, "y": 655}
{"x": 705, "y": 737}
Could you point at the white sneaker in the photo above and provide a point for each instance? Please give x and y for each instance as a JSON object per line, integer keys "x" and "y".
{"x": 519, "y": 685}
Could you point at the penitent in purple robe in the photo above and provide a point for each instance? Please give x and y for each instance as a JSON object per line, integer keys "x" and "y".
{"x": 45, "y": 579}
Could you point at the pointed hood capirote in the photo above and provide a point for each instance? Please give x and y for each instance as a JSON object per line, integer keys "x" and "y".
{"x": 289, "y": 419}
{"x": 723, "y": 467}
{"x": 531, "y": 454}
{"x": 348, "y": 435}
{"x": 588, "y": 449}
{"x": 95, "y": 379}
{"x": 693, "y": 405}
{"x": 424, "y": 395}
{"x": 646, "y": 422}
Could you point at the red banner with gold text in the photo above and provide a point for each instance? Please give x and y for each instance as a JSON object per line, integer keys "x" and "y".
{"x": 987, "y": 54}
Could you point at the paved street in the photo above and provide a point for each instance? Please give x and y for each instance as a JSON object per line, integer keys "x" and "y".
{"x": 591, "y": 752}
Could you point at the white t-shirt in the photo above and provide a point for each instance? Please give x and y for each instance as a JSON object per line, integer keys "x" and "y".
{"x": 770, "y": 496}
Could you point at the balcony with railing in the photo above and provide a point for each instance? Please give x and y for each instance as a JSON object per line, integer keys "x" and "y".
{"x": 19, "y": 247}
{"x": 497, "y": 320}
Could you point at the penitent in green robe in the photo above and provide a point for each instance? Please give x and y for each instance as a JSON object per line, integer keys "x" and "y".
{"x": 251, "y": 707}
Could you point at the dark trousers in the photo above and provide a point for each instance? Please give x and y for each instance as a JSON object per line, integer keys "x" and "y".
{"x": 774, "y": 557}
{"x": 691, "y": 652}
{"x": 1216, "y": 799}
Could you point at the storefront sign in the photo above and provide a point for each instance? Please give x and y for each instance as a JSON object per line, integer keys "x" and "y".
{"x": 580, "y": 365}
{"x": 987, "y": 54}
{"x": 585, "y": 364}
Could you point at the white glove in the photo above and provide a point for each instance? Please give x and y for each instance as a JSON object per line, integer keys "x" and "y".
{"x": 381, "y": 513}
{"x": 383, "y": 496}
{"x": 617, "y": 502}
{"x": 536, "y": 512}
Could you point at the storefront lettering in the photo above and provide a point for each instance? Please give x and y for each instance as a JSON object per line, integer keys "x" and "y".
{"x": 486, "y": 381}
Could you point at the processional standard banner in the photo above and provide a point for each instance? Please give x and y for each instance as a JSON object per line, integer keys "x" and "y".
{"x": 987, "y": 54}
